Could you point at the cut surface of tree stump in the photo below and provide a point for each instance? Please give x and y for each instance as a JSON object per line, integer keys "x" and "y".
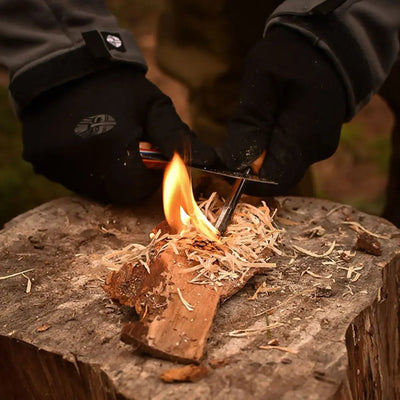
{"x": 327, "y": 316}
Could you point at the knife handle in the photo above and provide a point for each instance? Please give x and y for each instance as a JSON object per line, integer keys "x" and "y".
{"x": 151, "y": 157}
{"x": 257, "y": 164}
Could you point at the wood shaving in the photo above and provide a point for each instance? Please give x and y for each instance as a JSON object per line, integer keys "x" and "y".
{"x": 28, "y": 283}
{"x": 249, "y": 242}
{"x": 312, "y": 254}
{"x": 349, "y": 292}
{"x": 352, "y": 270}
{"x": 242, "y": 333}
{"x": 334, "y": 209}
{"x": 316, "y": 231}
{"x": 133, "y": 253}
{"x": 184, "y": 302}
{"x": 43, "y": 328}
{"x": 285, "y": 349}
{"x": 16, "y": 274}
{"x": 359, "y": 226}
{"x": 264, "y": 289}
{"x": 307, "y": 271}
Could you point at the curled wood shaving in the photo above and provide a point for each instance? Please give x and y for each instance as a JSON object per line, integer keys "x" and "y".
{"x": 359, "y": 226}
{"x": 312, "y": 254}
{"x": 352, "y": 270}
{"x": 335, "y": 209}
{"x": 184, "y": 302}
{"x": 307, "y": 271}
{"x": 285, "y": 349}
{"x": 349, "y": 292}
{"x": 356, "y": 277}
{"x": 249, "y": 242}
{"x": 133, "y": 253}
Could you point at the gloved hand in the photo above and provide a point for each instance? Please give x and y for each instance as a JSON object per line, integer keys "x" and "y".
{"x": 85, "y": 134}
{"x": 292, "y": 104}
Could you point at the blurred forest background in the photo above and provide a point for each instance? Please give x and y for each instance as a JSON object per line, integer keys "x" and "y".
{"x": 355, "y": 175}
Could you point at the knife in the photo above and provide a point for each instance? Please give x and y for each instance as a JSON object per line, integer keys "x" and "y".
{"x": 154, "y": 159}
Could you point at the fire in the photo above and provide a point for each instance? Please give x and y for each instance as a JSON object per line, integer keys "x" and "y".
{"x": 180, "y": 207}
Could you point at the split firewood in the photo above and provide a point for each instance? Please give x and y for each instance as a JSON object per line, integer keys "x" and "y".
{"x": 178, "y": 281}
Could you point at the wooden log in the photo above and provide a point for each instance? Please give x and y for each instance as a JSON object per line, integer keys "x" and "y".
{"x": 341, "y": 330}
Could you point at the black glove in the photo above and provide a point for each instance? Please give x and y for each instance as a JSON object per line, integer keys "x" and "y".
{"x": 292, "y": 105}
{"x": 85, "y": 134}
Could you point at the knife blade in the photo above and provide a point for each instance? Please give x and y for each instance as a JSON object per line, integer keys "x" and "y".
{"x": 154, "y": 159}
{"x": 230, "y": 204}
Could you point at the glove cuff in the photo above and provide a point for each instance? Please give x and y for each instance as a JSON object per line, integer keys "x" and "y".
{"x": 334, "y": 39}
{"x": 101, "y": 51}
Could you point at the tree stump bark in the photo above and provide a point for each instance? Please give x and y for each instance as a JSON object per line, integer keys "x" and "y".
{"x": 335, "y": 317}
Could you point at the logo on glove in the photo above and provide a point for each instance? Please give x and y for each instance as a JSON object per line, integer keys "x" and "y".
{"x": 94, "y": 125}
{"x": 114, "y": 41}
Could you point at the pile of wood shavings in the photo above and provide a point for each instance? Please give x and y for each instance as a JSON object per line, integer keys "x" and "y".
{"x": 249, "y": 241}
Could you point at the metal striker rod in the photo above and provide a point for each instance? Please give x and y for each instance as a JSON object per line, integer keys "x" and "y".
{"x": 230, "y": 204}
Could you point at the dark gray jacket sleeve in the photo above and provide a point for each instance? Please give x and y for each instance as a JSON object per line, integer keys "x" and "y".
{"x": 361, "y": 37}
{"x": 45, "y": 43}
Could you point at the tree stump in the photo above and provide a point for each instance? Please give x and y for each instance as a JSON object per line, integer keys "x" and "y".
{"x": 334, "y": 312}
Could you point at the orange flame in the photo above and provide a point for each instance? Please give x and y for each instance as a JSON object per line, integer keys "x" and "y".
{"x": 180, "y": 207}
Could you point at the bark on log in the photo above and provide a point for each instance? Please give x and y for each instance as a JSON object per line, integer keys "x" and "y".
{"x": 62, "y": 340}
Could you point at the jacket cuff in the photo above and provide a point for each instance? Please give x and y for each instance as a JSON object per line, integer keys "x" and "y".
{"x": 337, "y": 42}
{"x": 98, "y": 51}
